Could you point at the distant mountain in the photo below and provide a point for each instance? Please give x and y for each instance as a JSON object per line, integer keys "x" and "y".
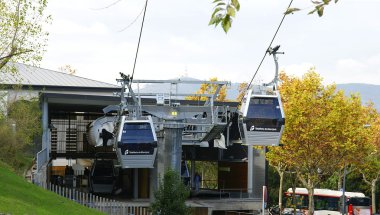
{"x": 232, "y": 91}
{"x": 368, "y": 92}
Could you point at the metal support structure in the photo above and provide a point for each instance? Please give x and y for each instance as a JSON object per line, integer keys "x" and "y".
{"x": 343, "y": 210}
{"x": 274, "y": 52}
{"x": 192, "y": 174}
{"x": 45, "y": 127}
{"x": 135, "y": 183}
{"x": 250, "y": 171}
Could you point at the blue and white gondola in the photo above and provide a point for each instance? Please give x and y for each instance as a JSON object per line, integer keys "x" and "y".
{"x": 263, "y": 119}
{"x": 136, "y": 143}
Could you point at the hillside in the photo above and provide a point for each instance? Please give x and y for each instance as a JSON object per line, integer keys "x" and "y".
{"x": 18, "y": 196}
{"x": 368, "y": 92}
{"x": 232, "y": 91}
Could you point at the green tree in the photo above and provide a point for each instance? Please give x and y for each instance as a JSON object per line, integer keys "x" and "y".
{"x": 209, "y": 173}
{"x": 171, "y": 196}
{"x": 17, "y": 130}
{"x": 22, "y": 38}
{"x": 225, "y": 11}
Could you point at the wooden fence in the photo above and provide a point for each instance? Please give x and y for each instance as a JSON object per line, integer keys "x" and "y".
{"x": 105, "y": 205}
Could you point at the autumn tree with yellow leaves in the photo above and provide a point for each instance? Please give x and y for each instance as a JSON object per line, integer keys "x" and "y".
{"x": 324, "y": 129}
{"x": 208, "y": 88}
{"x": 369, "y": 165}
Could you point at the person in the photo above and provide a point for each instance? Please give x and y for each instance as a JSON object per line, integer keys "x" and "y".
{"x": 197, "y": 181}
{"x": 67, "y": 170}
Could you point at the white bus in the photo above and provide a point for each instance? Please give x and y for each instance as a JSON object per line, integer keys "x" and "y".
{"x": 327, "y": 202}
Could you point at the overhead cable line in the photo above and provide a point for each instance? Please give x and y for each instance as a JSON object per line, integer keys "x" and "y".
{"x": 138, "y": 44}
{"x": 266, "y": 51}
{"x": 108, "y": 6}
{"x": 134, "y": 21}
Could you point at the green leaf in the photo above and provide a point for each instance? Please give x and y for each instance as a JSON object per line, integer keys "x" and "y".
{"x": 219, "y": 19}
{"x": 216, "y": 11}
{"x": 236, "y": 4}
{"x": 212, "y": 21}
{"x": 326, "y": 1}
{"x": 336, "y": 1}
{"x": 231, "y": 11}
{"x": 291, "y": 10}
{"x": 215, "y": 20}
{"x": 216, "y": 1}
{"x": 311, "y": 12}
{"x": 320, "y": 11}
{"x": 220, "y": 4}
{"x": 316, "y": 2}
{"x": 226, "y": 23}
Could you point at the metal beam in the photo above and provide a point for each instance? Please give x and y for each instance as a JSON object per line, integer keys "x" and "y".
{"x": 179, "y": 81}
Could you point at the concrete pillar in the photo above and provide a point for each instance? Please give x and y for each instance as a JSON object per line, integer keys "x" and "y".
{"x": 158, "y": 168}
{"x": 169, "y": 152}
{"x": 258, "y": 172}
{"x": 172, "y": 154}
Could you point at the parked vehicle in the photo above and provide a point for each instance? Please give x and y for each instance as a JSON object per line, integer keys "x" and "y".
{"x": 327, "y": 202}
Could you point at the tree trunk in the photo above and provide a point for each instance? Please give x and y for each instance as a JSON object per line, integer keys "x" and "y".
{"x": 373, "y": 195}
{"x": 294, "y": 201}
{"x": 310, "y": 190}
{"x": 280, "y": 190}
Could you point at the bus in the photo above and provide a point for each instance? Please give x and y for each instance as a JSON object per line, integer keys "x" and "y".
{"x": 327, "y": 202}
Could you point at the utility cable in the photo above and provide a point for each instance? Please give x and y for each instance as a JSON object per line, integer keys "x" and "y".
{"x": 138, "y": 44}
{"x": 266, "y": 51}
{"x": 133, "y": 22}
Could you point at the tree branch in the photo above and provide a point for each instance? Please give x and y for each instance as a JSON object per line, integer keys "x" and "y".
{"x": 4, "y": 60}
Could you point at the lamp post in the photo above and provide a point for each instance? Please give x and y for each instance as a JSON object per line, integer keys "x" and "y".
{"x": 343, "y": 210}
{"x": 344, "y": 189}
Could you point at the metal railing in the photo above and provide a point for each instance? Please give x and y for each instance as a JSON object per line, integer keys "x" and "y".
{"x": 42, "y": 158}
{"x": 105, "y": 205}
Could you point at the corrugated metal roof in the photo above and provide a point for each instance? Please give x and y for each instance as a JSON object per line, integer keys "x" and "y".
{"x": 34, "y": 76}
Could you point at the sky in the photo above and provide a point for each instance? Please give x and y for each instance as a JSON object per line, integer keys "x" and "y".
{"x": 343, "y": 45}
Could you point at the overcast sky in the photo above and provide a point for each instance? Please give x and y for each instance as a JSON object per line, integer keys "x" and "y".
{"x": 343, "y": 45}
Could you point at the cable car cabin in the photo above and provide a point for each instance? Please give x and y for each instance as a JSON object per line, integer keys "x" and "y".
{"x": 102, "y": 178}
{"x": 263, "y": 119}
{"x": 136, "y": 143}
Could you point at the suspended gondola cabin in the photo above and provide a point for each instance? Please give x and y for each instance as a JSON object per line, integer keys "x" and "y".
{"x": 102, "y": 178}
{"x": 263, "y": 119}
{"x": 136, "y": 143}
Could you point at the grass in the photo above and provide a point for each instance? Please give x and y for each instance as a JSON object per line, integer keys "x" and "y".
{"x": 18, "y": 196}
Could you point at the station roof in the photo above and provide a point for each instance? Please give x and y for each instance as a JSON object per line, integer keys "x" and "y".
{"x": 95, "y": 103}
{"x": 38, "y": 77}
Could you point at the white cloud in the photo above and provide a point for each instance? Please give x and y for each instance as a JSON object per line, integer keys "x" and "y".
{"x": 297, "y": 69}
{"x": 176, "y": 40}
{"x": 359, "y": 70}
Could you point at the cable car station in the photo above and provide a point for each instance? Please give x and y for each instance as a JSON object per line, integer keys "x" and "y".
{"x": 155, "y": 132}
